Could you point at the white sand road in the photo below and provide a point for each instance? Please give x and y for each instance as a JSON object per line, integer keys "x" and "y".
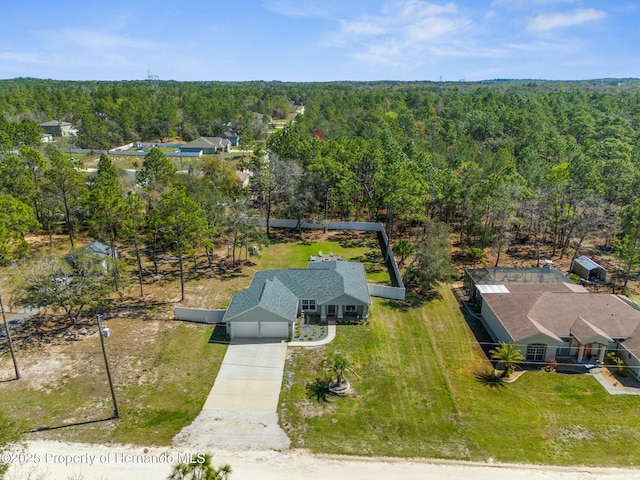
{"x": 65, "y": 461}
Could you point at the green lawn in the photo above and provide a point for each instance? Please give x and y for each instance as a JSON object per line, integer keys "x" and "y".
{"x": 352, "y": 246}
{"x": 417, "y": 395}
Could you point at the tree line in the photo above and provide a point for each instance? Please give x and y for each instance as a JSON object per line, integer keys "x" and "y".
{"x": 496, "y": 163}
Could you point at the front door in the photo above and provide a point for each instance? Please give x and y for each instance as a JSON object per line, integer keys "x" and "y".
{"x": 331, "y": 310}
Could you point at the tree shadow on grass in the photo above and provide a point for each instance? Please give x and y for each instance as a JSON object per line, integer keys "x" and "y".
{"x": 413, "y": 299}
{"x": 490, "y": 379}
{"x": 318, "y": 390}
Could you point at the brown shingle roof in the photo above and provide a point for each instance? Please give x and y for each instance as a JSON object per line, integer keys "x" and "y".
{"x": 527, "y": 311}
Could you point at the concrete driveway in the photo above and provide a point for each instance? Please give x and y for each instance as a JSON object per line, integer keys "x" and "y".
{"x": 249, "y": 379}
{"x": 241, "y": 411}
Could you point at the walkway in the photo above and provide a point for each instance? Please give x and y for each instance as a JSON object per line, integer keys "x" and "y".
{"x": 597, "y": 374}
{"x": 241, "y": 410}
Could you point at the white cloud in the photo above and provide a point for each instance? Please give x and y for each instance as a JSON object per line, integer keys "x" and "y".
{"x": 98, "y": 40}
{"x": 418, "y": 8}
{"x": 298, "y": 8}
{"x": 363, "y": 27}
{"x": 525, "y": 4}
{"x": 549, "y": 21}
{"x": 402, "y": 32}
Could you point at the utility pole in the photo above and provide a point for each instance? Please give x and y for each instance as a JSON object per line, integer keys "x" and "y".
{"x": 8, "y": 333}
{"x": 116, "y": 413}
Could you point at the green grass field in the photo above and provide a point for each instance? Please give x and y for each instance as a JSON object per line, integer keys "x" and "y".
{"x": 416, "y": 394}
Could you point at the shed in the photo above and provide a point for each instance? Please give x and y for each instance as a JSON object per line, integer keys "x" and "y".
{"x": 586, "y": 268}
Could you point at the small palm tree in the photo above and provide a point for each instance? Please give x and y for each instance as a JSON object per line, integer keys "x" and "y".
{"x": 508, "y": 355}
{"x": 335, "y": 366}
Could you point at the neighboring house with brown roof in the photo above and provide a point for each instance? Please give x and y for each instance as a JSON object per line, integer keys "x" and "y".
{"x": 563, "y": 320}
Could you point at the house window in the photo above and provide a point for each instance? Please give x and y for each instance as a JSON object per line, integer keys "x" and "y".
{"x": 308, "y": 305}
{"x": 350, "y": 309}
{"x": 536, "y": 352}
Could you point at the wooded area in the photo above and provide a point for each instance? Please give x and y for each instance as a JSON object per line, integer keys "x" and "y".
{"x": 496, "y": 163}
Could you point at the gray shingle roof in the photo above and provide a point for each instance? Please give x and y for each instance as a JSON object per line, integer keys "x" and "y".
{"x": 100, "y": 248}
{"x": 278, "y": 290}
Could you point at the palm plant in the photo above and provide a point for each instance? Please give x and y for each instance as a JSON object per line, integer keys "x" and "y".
{"x": 508, "y": 355}
{"x": 335, "y": 366}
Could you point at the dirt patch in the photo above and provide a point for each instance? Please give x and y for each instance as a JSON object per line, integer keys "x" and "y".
{"x": 40, "y": 373}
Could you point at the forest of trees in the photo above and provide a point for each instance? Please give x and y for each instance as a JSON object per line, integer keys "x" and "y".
{"x": 496, "y": 163}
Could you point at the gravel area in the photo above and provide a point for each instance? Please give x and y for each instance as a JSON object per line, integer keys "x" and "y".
{"x": 233, "y": 431}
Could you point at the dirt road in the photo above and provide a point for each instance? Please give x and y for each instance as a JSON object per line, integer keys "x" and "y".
{"x": 59, "y": 461}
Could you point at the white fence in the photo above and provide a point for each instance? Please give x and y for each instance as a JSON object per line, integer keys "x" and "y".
{"x": 199, "y": 315}
{"x": 384, "y": 291}
{"x": 289, "y": 223}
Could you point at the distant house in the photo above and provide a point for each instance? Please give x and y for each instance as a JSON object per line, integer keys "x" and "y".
{"x": 207, "y": 145}
{"x": 58, "y": 129}
{"x": 101, "y": 249}
{"x": 270, "y": 305}
{"x": 234, "y": 138}
{"x": 587, "y": 269}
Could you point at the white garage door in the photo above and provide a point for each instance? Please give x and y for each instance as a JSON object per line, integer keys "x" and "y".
{"x": 245, "y": 330}
{"x": 274, "y": 329}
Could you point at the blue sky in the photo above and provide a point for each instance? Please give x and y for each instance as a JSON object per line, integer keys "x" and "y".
{"x": 320, "y": 40}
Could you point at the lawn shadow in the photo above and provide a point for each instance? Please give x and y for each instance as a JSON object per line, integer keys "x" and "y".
{"x": 318, "y": 390}
{"x": 413, "y": 299}
{"x": 477, "y": 327}
{"x": 490, "y": 379}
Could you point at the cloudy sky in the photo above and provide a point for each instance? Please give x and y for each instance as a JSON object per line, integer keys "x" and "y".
{"x": 320, "y": 40}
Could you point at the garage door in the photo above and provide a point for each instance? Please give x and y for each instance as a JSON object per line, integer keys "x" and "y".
{"x": 274, "y": 329}
{"x": 245, "y": 330}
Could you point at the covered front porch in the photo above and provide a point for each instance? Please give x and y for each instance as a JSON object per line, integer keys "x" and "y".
{"x": 340, "y": 312}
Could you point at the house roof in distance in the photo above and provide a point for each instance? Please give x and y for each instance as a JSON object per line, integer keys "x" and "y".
{"x": 208, "y": 142}
{"x": 55, "y": 123}
{"x": 100, "y": 248}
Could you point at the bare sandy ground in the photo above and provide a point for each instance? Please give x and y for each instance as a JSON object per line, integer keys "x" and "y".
{"x": 64, "y": 461}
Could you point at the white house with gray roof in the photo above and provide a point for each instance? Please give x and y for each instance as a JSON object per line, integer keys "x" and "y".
{"x": 269, "y": 307}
